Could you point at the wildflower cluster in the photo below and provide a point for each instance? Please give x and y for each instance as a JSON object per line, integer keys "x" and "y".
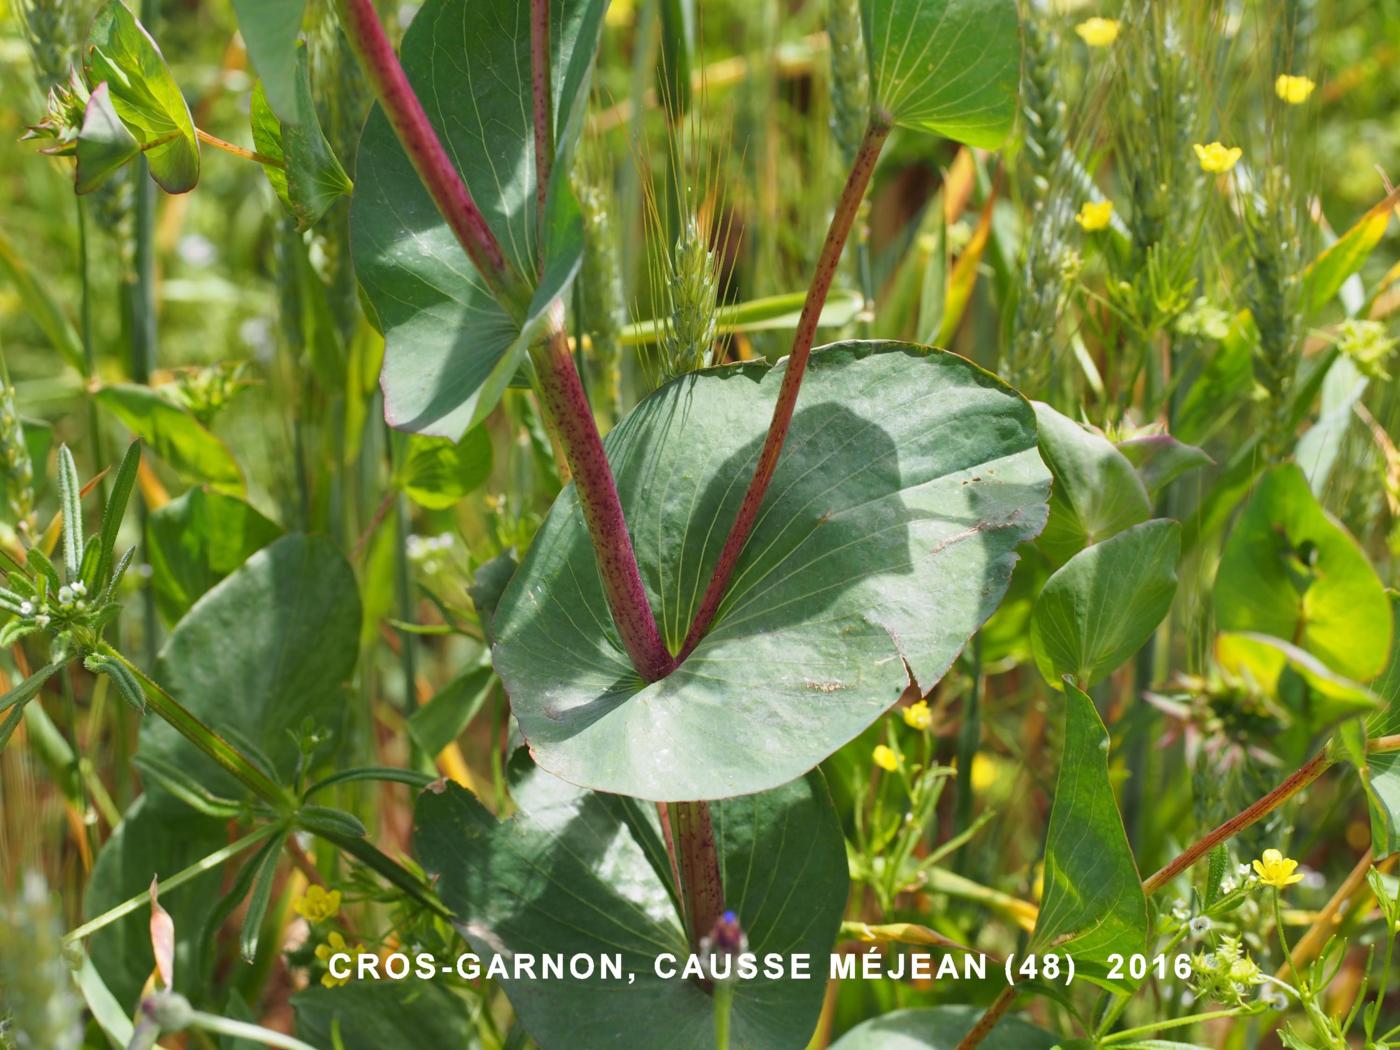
{"x": 1226, "y": 975}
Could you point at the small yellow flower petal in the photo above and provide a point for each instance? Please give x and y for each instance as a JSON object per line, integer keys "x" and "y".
{"x": 318, "y": 905}
{"x": 984, "y": 773}
{"x": 1095, "y": 215}
{"x": 885, "y": 758}
{"x": 1216, "y": 158}
{"x": 1293, "y": 90}
{"x": 918, "y": 716}
{"x": 1274, "y": 869}
{"x": 1097, "y": 32}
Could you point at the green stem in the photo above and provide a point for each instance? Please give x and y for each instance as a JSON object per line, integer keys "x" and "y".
{"x": 724, "y": 1000}
{"x": 243, "y": 1030}
{"x": 181, "y": 877}
{"x": 1129, "y": 1034}
{"x": 208, "y": 741}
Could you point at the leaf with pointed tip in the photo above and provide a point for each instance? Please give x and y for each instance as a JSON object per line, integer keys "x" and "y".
{"x": 104, "y": 143}
{"x": 887, "y": 537}
{"x": 566, "y": 875}
{"x": 312, "y": 178}
{"x": 450, "y": 349}
{"x": 269, "y": 29}
{"x": 1103, "y": 604}
{"x": 144, "y": 95}
{"x": 1093, "y": 904}
{"x": 1097, "y": 492}
{"x": 1160, "y": 459}
{"x": 952, "y": 67}
{"x": 174, "y": 435}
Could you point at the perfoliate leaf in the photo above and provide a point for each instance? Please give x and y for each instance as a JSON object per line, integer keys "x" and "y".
{"x": 144, "y": 95}
{"x": 451, "y": 350}
{"x": 1291, "y": 571}
{"x": 1103, "y": 604}
{"x": 104, "y": 143}
{"x": 567, "y": 874}
{"x": 1097, "y": 492}
{"x": 312, "y": 179}
{"x": 886, "y": 539}
{"x": 1093, "y": 905}
{"x": 951, "y": 67}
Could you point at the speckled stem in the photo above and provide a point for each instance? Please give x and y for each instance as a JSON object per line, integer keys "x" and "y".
{"x": 862, "y": 168}
{"x": 564, "y": 399}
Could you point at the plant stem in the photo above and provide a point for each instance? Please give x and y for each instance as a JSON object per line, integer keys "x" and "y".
{"x": 425, "y": 150}
{"x": 989, "y": 1020}
{"x": 1304, "y": 776}
{"x": 207, "y": 740}
{"x": 541, "y": 91}
{"x": 1128, "y": 1034}
{"x": 862, "y": 167}
{"x": 243, "y": 1030}
{"x": 238, "y": 151}
{"x": 701, "y": 890}
{"x": 563, "y": 397}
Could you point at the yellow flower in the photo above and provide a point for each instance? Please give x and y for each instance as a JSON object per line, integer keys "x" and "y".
{"x": 885, "y": 758}
{"x": 1097, "y": 32}
{"x": 984, "y": 773}
{"x": 318, "y": 905}
{"x": 1274, "y": 869}
{"x": 336, "y": 945}
{"x": 918, "y": 716}
{"x": 1094, "y": 215}
{"x": 1293, "y": 90}
{"x": 1215, "y": 158}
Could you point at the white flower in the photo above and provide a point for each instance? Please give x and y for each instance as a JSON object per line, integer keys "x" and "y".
{"x": 42, "y": 619}
{"x": 65, "y": 595}
{"x": 79, "y": 587}
{"x": 1199, "y": 926}
{"x": 26, "y": 608}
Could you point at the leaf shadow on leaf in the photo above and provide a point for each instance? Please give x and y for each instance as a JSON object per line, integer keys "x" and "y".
{"x": 888, "y": 535}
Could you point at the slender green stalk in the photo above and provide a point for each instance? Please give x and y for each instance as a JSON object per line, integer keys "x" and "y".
{"x": 242, "y": 1030}
{"x": 1129, "y": 1034}
{"x": 143, "y": 899}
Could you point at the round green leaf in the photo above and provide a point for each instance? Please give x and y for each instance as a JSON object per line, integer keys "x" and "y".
{"x": 887, "y": 538}
{"x": 436, "y": 472}
{"x": 266, "y": 649}
{"x": 952, "y": 67}
{"x": 1097, "y": 492}
{"x": 1291, "y": 571}
{"x": 579, "y": 872}
{"x": 941, "y": 1028}
{"x": 144, "y": 95}
{"x": 450, "y": 350}
{"x": 1105, "y": 602}
{"x": 104, "y": 143}
{"x": 174, "y": 435}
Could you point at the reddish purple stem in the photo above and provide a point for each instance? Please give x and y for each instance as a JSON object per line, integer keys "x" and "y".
{"x": 424, "y": 148}
{"x": 542, "y": 91}
{"x": 854, "y": 192}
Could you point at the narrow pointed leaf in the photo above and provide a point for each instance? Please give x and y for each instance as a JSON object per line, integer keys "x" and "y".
{"x": 122, "y": 483}
{"x": 265, "y": 867}
{"x": 270, "y": 29}
{"x": 1093, "y": 905}
{"x": 70, "y": 500}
